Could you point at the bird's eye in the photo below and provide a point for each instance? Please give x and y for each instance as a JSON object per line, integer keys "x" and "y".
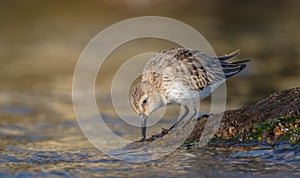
{"x": 144, "y": 101}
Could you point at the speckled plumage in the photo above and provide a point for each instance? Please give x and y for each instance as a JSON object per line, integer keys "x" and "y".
{"x": 180, "y": 76}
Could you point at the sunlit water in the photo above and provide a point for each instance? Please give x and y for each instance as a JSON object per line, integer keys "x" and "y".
{"x": 41, "y": 42}
{"x": 271, "y": 161}
{"x": 47, "y": 143}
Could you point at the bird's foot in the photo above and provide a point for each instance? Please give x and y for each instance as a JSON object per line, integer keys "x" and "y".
{"x": 203, "y": 115}
{"x": 165, "y": 131}
{"x": 142, "y": 140}
{"x": 154, "y": 137}
{"x": 147, "y": 139}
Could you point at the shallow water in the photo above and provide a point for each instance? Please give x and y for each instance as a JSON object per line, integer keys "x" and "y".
{"x": 40, "y": 44}
{"x": 46, "y": 143}
{"x": 269, "y": 161}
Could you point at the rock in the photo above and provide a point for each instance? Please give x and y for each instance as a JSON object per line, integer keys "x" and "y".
{"x": 274, "y": 118}
{"x": 276, "y": 115}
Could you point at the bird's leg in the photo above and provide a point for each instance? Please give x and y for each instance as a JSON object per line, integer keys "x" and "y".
{"x": 165, "y": 131}
{"x": 191, "y": 114}
{"x": 185, "y": 114}
{"x": 205, "y": 115}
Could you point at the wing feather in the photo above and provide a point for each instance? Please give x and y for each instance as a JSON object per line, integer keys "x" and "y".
{"x": 193, "y": 69}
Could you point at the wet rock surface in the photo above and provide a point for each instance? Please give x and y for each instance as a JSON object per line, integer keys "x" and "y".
{"x": 267, "y": 120}
{"x": 276, "y": 118}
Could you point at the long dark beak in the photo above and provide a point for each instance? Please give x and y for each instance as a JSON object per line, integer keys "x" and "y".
{"x": 144, "y": 126}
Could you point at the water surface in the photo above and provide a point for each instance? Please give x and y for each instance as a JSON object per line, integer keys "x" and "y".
{"x": 40, "y": 44}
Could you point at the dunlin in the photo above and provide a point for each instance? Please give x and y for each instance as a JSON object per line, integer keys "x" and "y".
{"x": 180, "y": 76}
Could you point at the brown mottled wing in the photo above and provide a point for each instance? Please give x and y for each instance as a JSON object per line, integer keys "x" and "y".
{"x": 189, "y": 71}
{"x": 189, "y": 67}
{"x": 197, "y": 69}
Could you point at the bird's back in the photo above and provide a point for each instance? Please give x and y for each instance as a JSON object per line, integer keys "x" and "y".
{"x": 187, "y": 69}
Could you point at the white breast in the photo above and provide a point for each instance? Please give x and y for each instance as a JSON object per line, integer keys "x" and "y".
{"x": 179, "y": 94}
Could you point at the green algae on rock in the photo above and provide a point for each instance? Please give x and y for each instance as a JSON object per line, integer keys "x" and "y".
{"x": 281, "y": 128}
{"x": 276, "y": 118}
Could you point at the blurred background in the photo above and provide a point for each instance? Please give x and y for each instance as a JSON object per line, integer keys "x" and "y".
{"x": 41, "y": 41}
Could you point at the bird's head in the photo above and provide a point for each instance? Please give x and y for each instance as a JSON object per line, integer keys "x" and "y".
{"x": 144, "y": 99}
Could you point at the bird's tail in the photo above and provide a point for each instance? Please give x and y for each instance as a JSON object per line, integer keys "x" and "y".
{"x": 232, "y": 68}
